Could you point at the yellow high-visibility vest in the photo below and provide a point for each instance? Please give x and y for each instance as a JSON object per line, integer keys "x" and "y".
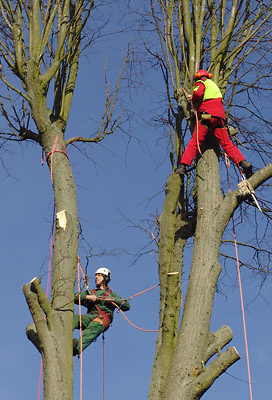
{"x": 212, "y": 91}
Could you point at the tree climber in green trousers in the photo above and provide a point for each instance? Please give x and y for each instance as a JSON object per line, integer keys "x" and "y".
{"x": 100, "y": 304}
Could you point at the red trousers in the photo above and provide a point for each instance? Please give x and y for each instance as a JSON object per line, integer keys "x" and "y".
{"x": 222, "y": 135}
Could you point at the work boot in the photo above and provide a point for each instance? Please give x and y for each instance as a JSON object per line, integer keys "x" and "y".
{"x": 181, "y": 169}
{"x": 247, "y": 168}
{"x": 75, "y": 349}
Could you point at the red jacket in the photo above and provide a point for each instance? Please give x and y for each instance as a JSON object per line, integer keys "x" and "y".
{"x": 211, "y": 106}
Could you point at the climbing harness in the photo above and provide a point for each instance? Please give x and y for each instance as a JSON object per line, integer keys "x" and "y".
{"x": 104, "y": 316}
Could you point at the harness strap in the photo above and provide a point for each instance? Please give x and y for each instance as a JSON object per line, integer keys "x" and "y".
{"x": 104, "y": 316}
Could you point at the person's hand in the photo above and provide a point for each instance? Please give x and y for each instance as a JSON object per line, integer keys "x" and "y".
{"x": 193, "y": 109}
{"x": 91, "y": 297}
{"x": 108, "y": 299}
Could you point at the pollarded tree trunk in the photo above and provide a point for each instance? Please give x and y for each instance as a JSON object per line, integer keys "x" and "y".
{"x": 193, "y": 339}
{"x": 52, "y": 332}
{"x": 175, "y": 228}
{"x": 190, "y": 375}
{"x": 53, "y": 321}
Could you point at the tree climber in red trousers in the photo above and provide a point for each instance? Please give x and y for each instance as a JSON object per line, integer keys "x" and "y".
{"x": 207, "y": 100}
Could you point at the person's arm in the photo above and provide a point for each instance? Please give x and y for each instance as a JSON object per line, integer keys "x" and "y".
{"x": 122, "y": 303}
{"x": 198, "y": 93}
{"x": 91, "y": 298}
{"x": 82, "y": 298}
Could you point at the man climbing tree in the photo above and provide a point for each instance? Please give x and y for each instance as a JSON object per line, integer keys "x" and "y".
{"x": 40, "y": 46}
{"x": 230, "y": 39}
{"x": 100, "y": 304}
{"x": 207, "y": 103}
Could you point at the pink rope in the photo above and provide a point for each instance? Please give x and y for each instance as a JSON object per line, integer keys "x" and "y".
{"x": 241, "y": 297}
{"x": 47, "y": 288}
{"x": 103, "y": 368}
{"x": 80, "y": 328}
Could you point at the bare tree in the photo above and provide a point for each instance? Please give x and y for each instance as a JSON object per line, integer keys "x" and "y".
{"x": 233, "y": 41}
{"x": 40, "y": 46}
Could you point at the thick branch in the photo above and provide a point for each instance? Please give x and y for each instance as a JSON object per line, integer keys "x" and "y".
{"x": 28, "y": 134}
{"x": 37, "y": 302}
{"x": 217, "y": 340}
{"x": 214, "y": 370}
{"x": 232, "y": 199}
{"x": 32, "y": 335}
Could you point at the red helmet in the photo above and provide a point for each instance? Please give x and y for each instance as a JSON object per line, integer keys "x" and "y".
{"x": 202, "y": 73}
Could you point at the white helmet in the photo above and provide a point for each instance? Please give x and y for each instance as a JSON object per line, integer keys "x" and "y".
{"x": 104, "y": 271}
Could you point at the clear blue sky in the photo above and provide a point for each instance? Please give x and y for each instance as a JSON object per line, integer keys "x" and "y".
{"x": 115, "y": 181}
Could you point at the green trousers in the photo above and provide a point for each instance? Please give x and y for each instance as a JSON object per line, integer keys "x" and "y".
{"x": 91, "y": 328}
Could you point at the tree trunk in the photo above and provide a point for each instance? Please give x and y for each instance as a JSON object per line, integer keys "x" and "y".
{"x": 189, "y": 357}
{"x": 175, "y": 228}
{"x": 53, "y": 321}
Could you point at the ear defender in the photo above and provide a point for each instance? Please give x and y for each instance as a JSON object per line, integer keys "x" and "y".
{"x": 202, "y": 73}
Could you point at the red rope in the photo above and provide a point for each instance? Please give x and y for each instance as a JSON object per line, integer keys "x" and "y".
{"x": 197, "y": 133}
{"x": 40, "y": 380}
{"x": 103, "y": 368}
{"x": 80, "y": 329}
{"x": 131, "y": 323}
{"x": 51, "y": 153}
{"x": 47, "y": 288}
{"x": 243, "y": 310}
{"x": 242, "y": 300}
{"x": 144, "y": 291}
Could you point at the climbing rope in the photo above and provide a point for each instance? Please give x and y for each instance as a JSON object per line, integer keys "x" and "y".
{"x": 131, "y": 323}
{"x": 103, "y": 367}
{"x": 47, "y": 287}
{"x": 144, "y": 291}
{"x": 189, "y": 99}
{"x": 51, "y": 153}
{"x": 80, "y": 330}
{"x": 241, "y": 295}
{"x": 197, "y": 133}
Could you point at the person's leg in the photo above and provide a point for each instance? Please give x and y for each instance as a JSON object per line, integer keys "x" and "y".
{"x": 195, "y": 142}
{"x": 225, "y": 142}
{"x": 93, "y": 330}
{"x": 85, "y": 321}
{"x": 232, "y": 151}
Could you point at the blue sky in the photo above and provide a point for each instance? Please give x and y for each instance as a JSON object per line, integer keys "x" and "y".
{"x": 115, "y": 181}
